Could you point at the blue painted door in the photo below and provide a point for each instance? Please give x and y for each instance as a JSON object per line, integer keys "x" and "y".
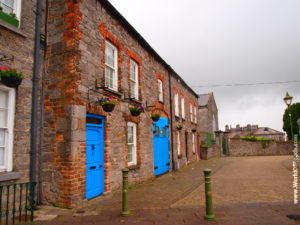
{"x": 161, "y": 146}
{"x": 94, "y": 156}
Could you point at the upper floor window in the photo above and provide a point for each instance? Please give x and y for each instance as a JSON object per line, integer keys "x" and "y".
{"x": 131, "y": 143}
{"x": 11, "y": 7}
{"x": 111, "y": 66}
{"x": 182, "y": 108}
{"x": 195, "y": 114}
{"x": 176, "y": 102}
{"x": 160, "y": 90}
{"x": 7, "y": 112}
{"x": 134, "y": 80}
{"x": 191, "y": 113}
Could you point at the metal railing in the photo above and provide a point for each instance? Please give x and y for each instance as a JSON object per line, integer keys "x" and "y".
{"x": 17, "y": 202}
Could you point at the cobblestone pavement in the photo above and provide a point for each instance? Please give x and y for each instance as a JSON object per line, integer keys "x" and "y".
{"x": 246, "y": 191}
{"x": 248, "y": 179}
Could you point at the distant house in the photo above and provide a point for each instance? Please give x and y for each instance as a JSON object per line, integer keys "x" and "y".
{"x": 254, "y": 130}
{"x": 208, "y": 118}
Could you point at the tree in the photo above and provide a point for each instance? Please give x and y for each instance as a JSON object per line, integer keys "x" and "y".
{"x": 295, "y": 113}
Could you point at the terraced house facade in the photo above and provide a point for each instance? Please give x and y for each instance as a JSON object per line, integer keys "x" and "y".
{"x": 94, "y": 56}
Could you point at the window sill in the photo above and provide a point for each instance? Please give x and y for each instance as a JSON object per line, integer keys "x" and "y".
{"x": 12, "y": 29}
{"x": 119, "y": 94}
{"x": 6, "y": 176}
{"x": 161, "y": 102}
{"x": 133, "y": 167}
{"x": 136, "y": 101}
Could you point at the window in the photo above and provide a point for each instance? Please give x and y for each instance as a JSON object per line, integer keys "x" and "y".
{"x": 131, "y": 141}
{"x": 182, "y": 108}
{"x": 134, "y": 80}
{"x": 176, "y": 102}
{"x": 7, "y": 112}
{"x": 191, "y": 113}
{"x": 193, "y": 143}
{"x": 178, "y": 143}
{"x": 160, "y": 90}
{"x": 195, "y": 114}
{"x": 111, "y": 66}
{"x": 11, "y": 6}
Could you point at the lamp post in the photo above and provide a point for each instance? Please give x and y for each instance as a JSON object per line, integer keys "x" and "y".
{"x": 288, "y": 101}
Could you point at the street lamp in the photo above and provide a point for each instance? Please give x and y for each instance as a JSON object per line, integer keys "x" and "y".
{"x": 288, "y": 101}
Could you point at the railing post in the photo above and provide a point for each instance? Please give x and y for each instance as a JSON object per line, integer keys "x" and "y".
{"x": 125, "y": 210}
{"x": 208, "y": 196}
{"x": 32, "y": 201}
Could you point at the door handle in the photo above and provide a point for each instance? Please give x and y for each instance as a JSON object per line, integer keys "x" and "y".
{"x": 100, "y": 166}
{"x": 93, "y": 147}
{"x": 92, "y": 167}
{"x": 168, "y": 164}
{"x": 156, "y": 167}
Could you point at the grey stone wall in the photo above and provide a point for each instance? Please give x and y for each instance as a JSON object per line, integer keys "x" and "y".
{"x": 18, "y": 44}
{"x": 239, "y": 147}
{"x": 186, "y": 133}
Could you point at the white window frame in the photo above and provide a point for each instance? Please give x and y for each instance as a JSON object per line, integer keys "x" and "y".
{"x": 160, "y": 90}
{"x": 9, "y": 137}
{"x": 182, "y": 108}
{"x": 134, "y": 149}
{"x": 195, "y": 114}
{"x": 193, "y": 143}
{"x": 115, "y": 68}
{"x": 178, "y": 143}
{"x": 135, "y": 81}
{"x": 16, "y": 9}
{"x": 191, "y": 113}
{"x": 176, "y": 102}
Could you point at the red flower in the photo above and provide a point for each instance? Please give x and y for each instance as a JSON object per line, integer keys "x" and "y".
{"x": 4, "y": 68}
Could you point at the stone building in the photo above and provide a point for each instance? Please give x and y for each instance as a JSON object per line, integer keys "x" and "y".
{"x": 94, "y": 53}
{"x": 16, "y": 51}
{"x": 256, "y": 131}
{"x": 208, "y": 118}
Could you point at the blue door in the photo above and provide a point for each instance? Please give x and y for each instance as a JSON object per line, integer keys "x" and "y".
{"x": 161, "y": 146}
{"x": 94, "y": 156}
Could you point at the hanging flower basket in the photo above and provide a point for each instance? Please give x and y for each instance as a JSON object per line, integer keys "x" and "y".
{"x": 194, "y": 130}
{"x": 11, "y": 77}
{"x": 136, "y": 110}
{"x": 108, "y": 104}
{"x": 155, "y": 117}
{"x": 179, "y": 127}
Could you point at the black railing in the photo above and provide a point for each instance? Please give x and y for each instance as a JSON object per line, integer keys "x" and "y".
{"x": 15, "y": 202}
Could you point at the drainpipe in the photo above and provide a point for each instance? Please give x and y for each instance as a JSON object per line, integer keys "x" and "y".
{"x": 171, "y": 120}
{"x": 41, "y": 128}
{"x": 35, "y": 89}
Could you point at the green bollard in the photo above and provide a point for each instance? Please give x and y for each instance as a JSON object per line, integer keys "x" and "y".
{"x": 125, "y": 211}
{"x": 208, "y": 196}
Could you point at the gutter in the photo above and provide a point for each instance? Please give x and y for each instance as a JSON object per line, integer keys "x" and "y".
{"x": 171, "y": 121}
{"x": 35, "y": 90}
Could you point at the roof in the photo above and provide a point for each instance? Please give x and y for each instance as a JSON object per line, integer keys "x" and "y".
{"x": 267, "y": 131}
{"x": 117, "y": 15}
{"x": 203, "y": 99}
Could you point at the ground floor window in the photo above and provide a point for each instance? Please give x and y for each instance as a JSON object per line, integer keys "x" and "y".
{"x": 193, "y": 143}
{"x": 178, "y": 143}
{"x": 7, "y": 112}
{"x": 131, "y": 142}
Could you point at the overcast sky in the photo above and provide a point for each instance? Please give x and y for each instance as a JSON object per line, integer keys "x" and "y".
{"x": 215, "y": 42}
